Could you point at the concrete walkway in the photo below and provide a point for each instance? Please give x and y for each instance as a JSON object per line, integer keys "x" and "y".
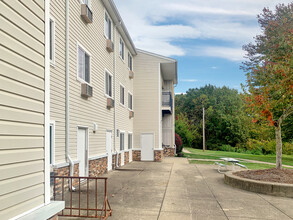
{"x": 174, "y": 189}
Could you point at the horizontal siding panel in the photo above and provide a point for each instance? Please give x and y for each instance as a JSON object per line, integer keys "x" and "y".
{"x": 17, "y": 101}
{"x": 18, "y": 20}
{"x": 21, "y": 76}
{"x": 40, "y": 3}
{"x": 21, "y": 196}
{"x": 20, "y": 48}
{"x": 15, "y": 184}
{"x": 17, "y": 156}
{"x": 27, "y": 14}
{"x": 20, "y": 142}
{"x": 22, "y": 63}
{"x": 22, "y": 207}
{"x": 32, "y": 6}
{"x": 21, "y": 169}
{"x": 22, "y": 36}
{"x": 10, "y": 114}
{"x": 15, "y": 87}
{"x": 14, "y": 128}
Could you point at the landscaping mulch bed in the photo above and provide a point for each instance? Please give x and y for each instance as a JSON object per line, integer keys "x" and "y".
{"x": 268, "y": 175}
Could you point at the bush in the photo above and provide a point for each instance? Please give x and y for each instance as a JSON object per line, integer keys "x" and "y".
{"x": 288, "y": 148}
{"x": 178, "y": 143}
{"x": 228, "y": 148}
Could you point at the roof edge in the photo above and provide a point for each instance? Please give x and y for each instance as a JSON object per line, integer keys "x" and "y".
{"x": 156, "y": 55}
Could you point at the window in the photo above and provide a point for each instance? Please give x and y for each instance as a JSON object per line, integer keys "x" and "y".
{"x": 87, "y": 2}
{"x": 130, "y": 101}
{"x": 52, "y": 41}
{"x": 52, "y": 143}
{"x": 121, "y": 140}
{"x": 129, "y": 141}
{"x": 122, "y": 99}
{"x": 108, "y": 84}
{"x": 129, "y": 61}
{"x": 121, "y": 49}
{"x": 108, "y": 28}
{"x": 83, "y": 65}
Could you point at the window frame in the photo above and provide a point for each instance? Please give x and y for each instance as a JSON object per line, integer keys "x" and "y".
{"x": 52, "y": 45}
{"x": 122, "y": 86}
{"x": 52, "y": 143}
{"x": 129, "y": 93}
{"x": 121, "y": 49}
{"x": 89, "y": 3}
{"x": 130, "y": 133}
{"x": 79, "y": 46}
{"x": 122, "y": 133}
{"x": 130, "y": 67}
{"x": 111, "y": 75}
{"x": 106, "y": 24}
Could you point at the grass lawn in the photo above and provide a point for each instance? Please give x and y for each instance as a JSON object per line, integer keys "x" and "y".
{"x": 209, "y": 154}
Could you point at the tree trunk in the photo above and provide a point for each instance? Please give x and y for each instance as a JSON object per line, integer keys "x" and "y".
{"x": 278, "y": 147}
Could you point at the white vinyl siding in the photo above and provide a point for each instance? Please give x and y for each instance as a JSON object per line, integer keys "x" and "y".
{"x": 108, "y": 26}
{"x": 130, "y": 103}
{"x": 122, "y": 95}
{"x": 22, "y": 110}
{"x": 130, "y": 62}
{"x": 129, "y": 141}
{"x": 52, "y": 41}
{"x": 121, "y": 49}
{"x": 122, "y": 141}
{"x": 108, "y": 84}
{"x": 83, "y": 65}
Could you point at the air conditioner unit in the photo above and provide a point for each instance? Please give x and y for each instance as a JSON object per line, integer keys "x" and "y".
{"x": 86, "y": 90}
{"x": 109, "y": 46}
{"x": 131, "y": 114}
{"x": 86, "y": 13}
{"x": 110, "y": 103}
{"x": 131, "y": 74}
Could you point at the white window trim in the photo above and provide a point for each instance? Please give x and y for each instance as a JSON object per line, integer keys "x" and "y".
{"x": 106, "y": 95}
{"x": 89, "y": 3}
{"x": 128, "y": 61}
{"x": 129, "y": 132}
{"x": 90, "y": 55}
{"x": 128, "y": 101}
{"x": 123, "y": 49}
{"x": 52, "y": 62}
{"x": 123, "y": 105}
{"x": 121, "y": 132}
{"x": 105, "y": 35}
{"x": 53, "y": 124}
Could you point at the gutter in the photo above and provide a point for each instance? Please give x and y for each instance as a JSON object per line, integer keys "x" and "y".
{"x": 68, "y": 158}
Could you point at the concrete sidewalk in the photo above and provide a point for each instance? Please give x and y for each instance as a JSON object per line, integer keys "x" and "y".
{"x": 174, "y": 189}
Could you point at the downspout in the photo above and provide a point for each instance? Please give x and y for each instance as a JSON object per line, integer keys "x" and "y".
{"x": 68, "y": 158}
{"x": 114, "y": 92}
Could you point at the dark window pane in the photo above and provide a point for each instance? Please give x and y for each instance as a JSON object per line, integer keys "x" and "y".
{"x": 87, "y": 68}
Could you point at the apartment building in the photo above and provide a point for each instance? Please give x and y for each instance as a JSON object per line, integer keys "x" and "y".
{"x": 107, "y": 98}
{"x": 24, "y": 112}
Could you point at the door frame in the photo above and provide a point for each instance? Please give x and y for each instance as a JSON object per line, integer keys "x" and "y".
{"x": 109, "y": 166}
{"x": 152, "y": 133}
{"x": 86, "y": 128}
{"x": 122, "y": 156}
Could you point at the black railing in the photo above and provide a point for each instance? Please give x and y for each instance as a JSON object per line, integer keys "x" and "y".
{"x": 167, "y": 100}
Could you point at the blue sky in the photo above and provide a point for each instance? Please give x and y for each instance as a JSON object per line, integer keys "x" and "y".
{"x": 206, "y": 37}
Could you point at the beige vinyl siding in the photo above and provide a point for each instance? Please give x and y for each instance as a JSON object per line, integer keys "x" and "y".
{"x": 83, "y": 112}
{"x": 21, "y": 107}
{"x": 147, "y": 90}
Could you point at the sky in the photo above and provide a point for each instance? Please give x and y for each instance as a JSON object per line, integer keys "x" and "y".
{"x": 204, "y": 36}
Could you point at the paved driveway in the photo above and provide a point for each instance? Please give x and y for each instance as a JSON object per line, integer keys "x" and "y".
{"x": 174, "y": 189}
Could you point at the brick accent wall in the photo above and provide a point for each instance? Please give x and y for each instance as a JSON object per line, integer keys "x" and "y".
{"x": 126, "y": 157}
{"x": 98, "y": 167}
{"x": 55, "y": 217}
{"x": 159, "y": 155}
{"x": 169, "y": 151}
{"x": 136, "y": 155}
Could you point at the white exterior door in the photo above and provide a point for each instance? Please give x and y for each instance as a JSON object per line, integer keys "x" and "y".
{"x": 109, "y": 148}
{"x": 147, "y": 147}
{"x": 82, "y": 151}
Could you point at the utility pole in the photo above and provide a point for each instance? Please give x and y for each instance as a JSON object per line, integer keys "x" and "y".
{"x": 203, "y": 132}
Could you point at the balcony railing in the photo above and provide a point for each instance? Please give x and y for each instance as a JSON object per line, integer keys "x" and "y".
{"x": 167, "y": 100}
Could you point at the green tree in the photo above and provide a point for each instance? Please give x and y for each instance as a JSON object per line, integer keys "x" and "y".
{"x": 269, "y": 88}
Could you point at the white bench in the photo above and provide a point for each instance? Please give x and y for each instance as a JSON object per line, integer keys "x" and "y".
{"x": 220, "y": 165}
{"x": 241, "y": 165}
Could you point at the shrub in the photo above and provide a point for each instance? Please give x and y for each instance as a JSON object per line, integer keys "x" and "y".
{"x": 288, "y": 148}
{"x": 227, "y": 147}
{"x": 178, "y": 143}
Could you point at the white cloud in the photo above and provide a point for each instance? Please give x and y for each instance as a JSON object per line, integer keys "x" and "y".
{"x": 188, "y": 80}
{"x": 158, "y": 26}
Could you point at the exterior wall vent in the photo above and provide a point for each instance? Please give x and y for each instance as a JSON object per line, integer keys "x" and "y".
{"x": 110, "y": 103}
{"x": 86, "y": 13}
{"x": 109, "y": 46}
{"x": 86, "y": 90}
